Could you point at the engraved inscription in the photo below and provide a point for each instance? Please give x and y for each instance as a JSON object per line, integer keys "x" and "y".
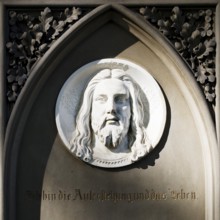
{"x": 77, "y": 195}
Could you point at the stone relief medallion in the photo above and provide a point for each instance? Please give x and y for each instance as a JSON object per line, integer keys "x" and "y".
{"x": 110, "y": 113}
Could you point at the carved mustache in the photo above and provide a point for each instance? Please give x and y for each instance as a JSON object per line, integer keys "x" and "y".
{"x": 109, "y": 118}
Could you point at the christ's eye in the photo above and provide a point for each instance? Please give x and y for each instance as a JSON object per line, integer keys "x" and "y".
{"x": 120, "y": 99}
{"x": 101, "y": 98}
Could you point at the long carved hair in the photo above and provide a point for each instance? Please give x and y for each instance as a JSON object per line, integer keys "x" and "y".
{"x": 81, "y": 141}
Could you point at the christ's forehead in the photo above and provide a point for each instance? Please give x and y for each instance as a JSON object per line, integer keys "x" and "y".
{"x": 111, "y": 87}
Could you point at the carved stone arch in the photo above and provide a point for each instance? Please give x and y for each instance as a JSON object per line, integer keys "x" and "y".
{"x": 138, "y": 42}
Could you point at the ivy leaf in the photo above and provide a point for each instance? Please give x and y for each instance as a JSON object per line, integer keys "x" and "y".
{"x": 210, "y": 96}
{"x": 178, "y": 45}
{"x": 164, "y": 27}
{"x": 11, "y": 78}
{"x": 199, "y": 49}
{"x": 28, "y": 42}
{"x": 12, "y": 96}
{"x": 37, "y": 32}
{"x": 211, "y": 74}
{"x": 58, "y": 27}
{"x": 38, "y": 36}
{"x": 14, "y": 87}
{"x": 177, "y": 18}
{"x": 45, "y": 19}
{"x": 41, "y": 50}
{"x": 209, "y": 47}
{"x": 150, "y": 14}
{"x": 211, "y": 78}
{"x": 200, "y": 74}
{"x": 195, "y": 41}
{"x": 16, "y": 49}
{"x": 72, "y": 15}
{"x": 187, "y": 30}
{"x": 21, "y": 79}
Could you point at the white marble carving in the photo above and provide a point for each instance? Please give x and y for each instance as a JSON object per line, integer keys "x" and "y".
{"x": 110, "y": 113}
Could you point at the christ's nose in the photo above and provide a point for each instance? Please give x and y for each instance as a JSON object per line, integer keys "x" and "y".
{"x": 110, "y": 106}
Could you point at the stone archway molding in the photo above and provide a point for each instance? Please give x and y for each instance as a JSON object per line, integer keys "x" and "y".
{"x": 165, "y": 52}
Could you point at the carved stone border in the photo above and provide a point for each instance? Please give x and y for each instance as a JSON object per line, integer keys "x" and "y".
{"x": 27, "y": 3}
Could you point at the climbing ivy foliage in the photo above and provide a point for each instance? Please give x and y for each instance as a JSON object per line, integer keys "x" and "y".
{"x": 192, "y": 34}
{"x": 31, "y": 34}
{"x": 29, "y": 38}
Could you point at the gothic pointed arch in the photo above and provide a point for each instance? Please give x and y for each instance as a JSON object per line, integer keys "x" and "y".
{"x": 108, "y": 31}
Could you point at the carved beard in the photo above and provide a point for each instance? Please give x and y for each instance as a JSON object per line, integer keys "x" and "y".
{"x": 110, "y": 135}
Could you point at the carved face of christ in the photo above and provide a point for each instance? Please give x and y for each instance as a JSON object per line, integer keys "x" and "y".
{"x": 111, "y": 112}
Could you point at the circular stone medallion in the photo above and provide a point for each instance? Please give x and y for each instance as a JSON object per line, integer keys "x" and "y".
{"x": 110, "y": 113}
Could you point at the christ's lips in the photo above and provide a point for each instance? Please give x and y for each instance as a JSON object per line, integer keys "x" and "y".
{"x": 111, "y": 120}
